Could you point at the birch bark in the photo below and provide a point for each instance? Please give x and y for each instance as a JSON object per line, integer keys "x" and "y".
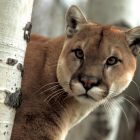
{"x": 14, "y": 14}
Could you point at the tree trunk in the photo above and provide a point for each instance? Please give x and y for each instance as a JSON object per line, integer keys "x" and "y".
{"x": 14, "y": 14}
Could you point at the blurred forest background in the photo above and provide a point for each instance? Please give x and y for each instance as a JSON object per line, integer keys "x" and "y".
{"x": 48, "y": 20}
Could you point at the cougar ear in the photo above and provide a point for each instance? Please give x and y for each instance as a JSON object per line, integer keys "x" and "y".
{"x": 74, "y": 20}
{"x": 133, "y": 38}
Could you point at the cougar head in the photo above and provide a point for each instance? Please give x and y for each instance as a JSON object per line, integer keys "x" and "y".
{"x": 97, "y": 62}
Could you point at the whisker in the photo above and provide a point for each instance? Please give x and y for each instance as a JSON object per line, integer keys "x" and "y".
{"x": 131, "y": 104}
{"x": 115, "y": 94}
{"x": 106, "y": 109}
{"x": 128, "y": 96}
{"x": 62, "y": 107}
{"x": 109, "y": 109}
{"x": 50, "y": 84}
{"x": 50, "y": 89}
{"x": 53, "y": 94}
{"x": 123, "y": 112}
{"x": 111, "y": 102}
{"x": 112, "y": 92}
{"x": 53, "y": 88}
{"x": 47, "y": 85}
{"x": 121, "y": 94}
{"x": 137, "y": 86}
{"x": 59, "y": 96}
{"x": 65, "y": 98}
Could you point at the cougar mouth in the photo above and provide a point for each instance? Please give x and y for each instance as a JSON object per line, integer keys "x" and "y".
{"x": 85, "y": 95}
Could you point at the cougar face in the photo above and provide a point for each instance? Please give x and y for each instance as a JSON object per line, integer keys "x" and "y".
{"x": 96, "y": 62}
{"x": 96, "y": 66}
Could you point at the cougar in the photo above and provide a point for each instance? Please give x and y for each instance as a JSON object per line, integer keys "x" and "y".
{"x": 67, "y": 77}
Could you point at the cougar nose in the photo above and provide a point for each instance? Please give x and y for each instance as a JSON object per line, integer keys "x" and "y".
{"x": 89, "y": 81}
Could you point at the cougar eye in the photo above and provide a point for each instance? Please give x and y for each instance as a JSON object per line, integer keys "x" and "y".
{"x": 79, "y": 53}
{"x": 112, "y": 60}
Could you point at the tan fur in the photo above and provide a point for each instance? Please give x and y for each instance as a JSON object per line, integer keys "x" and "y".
{"x": 39, "y": 120}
